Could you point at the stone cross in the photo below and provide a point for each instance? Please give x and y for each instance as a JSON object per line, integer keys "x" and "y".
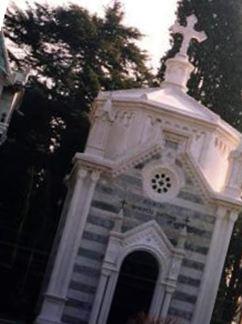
{"x": 188, "y": 33}
{"x": 123, "y": 203}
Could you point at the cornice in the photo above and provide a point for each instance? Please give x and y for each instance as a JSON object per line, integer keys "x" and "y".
{"x": 115, "y": 168}
{"x": 218, "y": 125}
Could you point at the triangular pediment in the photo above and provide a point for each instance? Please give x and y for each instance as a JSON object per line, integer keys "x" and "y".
{"x": 144, "y": 154}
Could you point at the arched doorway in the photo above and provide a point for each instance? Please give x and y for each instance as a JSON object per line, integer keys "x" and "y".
{"x": 135, "y": 287}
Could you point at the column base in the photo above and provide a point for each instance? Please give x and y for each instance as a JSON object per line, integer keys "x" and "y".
{"x": 52, "y": 310}
{"x": 45, "y": 321}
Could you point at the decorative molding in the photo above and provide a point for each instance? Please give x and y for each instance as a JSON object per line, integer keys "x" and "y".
{"x": 233, "y": 185}
{"x": 171, "y": 117}
{"x": 95, "y": 175}
{"x": 146, "y": 237}
{"x": 82, "y": 173}
{"x": 131, "y": 160}
{"x": 105, "y": 111}
{"x": 123, "y": 117}
{"x": 147, "y": 152}
{"x": 207, "y": 193}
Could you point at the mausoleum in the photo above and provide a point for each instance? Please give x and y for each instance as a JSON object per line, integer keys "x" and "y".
{"x": 150, "y": 208}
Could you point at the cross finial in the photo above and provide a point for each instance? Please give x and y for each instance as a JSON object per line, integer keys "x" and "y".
{"x": 188, "y": 33}
{"x": 123, "y": 203}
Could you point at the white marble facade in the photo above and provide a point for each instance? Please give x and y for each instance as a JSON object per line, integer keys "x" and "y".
{"x": 136, "y": 137}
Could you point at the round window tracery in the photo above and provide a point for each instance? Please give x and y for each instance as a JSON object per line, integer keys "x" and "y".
{"x": 162, "y": 182}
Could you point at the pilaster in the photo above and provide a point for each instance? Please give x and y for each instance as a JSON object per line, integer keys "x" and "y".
{"x": 174, "y": 270}
{"x": 234, "y": 179}
{"x": 224, "y": 224}
{"x": 55, "y": 296}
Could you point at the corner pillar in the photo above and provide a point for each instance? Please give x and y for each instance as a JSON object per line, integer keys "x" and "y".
{"x": 225, "y": 220}
{"x": 55, "y": 296}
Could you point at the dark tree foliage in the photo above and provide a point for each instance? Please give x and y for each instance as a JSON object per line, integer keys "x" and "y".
{"x": 217, "y": 83}
{"x": 72, "y": 55}
{"x": 228, "y": 304}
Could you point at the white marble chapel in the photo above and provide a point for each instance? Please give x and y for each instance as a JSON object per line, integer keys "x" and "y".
{"x": 150, "y": 208}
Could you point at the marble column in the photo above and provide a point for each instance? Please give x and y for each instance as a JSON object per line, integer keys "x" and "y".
{"x": 55, "y": 296}
{"x": 224, "y": 224}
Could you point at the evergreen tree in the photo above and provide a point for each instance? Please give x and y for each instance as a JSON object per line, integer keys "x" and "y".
{"x": 217, "y": 83}
{"x": 72, "y": 55}
{"x": 228, "y": 304}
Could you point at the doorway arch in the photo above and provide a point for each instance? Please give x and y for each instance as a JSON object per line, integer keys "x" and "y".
{"x": 135, "y": 287}
{"x": 147, "y": 237}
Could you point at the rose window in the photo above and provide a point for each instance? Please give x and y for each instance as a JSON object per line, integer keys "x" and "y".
{"x": 161, "y": 183}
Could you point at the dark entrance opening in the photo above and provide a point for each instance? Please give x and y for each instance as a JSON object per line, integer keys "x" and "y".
{"x": 135, "y": 287}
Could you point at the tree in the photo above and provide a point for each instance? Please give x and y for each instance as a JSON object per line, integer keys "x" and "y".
{"x": 228, "y": 304}
{"x": 217, "y": 83}
{"x": 72, "y": 55}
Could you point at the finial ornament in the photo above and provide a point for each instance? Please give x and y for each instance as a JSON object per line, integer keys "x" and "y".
{"x": 178, "y": 68}
{"x": 188, "y": 33}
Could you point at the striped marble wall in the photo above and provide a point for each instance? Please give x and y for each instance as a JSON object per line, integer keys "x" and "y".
{"x": 140, "y": 209}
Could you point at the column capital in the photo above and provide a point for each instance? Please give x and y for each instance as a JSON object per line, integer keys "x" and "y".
{"x": 221, "y": 212}
{"x": 233, "y": 216}
{"x": 170, "y": 287}
{"x": 95, "y": 175}
{"x": 82, "y": 173}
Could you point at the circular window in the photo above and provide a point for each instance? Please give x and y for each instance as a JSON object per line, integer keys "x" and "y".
{"x": 162, "y": 182}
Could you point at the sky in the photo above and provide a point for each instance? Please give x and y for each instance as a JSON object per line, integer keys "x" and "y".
{"x": 152, "y": 17}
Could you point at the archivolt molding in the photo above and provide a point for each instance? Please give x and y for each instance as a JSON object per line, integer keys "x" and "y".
{"x": 146, "y": 237}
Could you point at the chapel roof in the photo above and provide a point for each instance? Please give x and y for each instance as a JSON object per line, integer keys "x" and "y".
{"x": 172, "y": 95}
{"x": 166, "y": 98}
{"x": 170, "y": 99}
